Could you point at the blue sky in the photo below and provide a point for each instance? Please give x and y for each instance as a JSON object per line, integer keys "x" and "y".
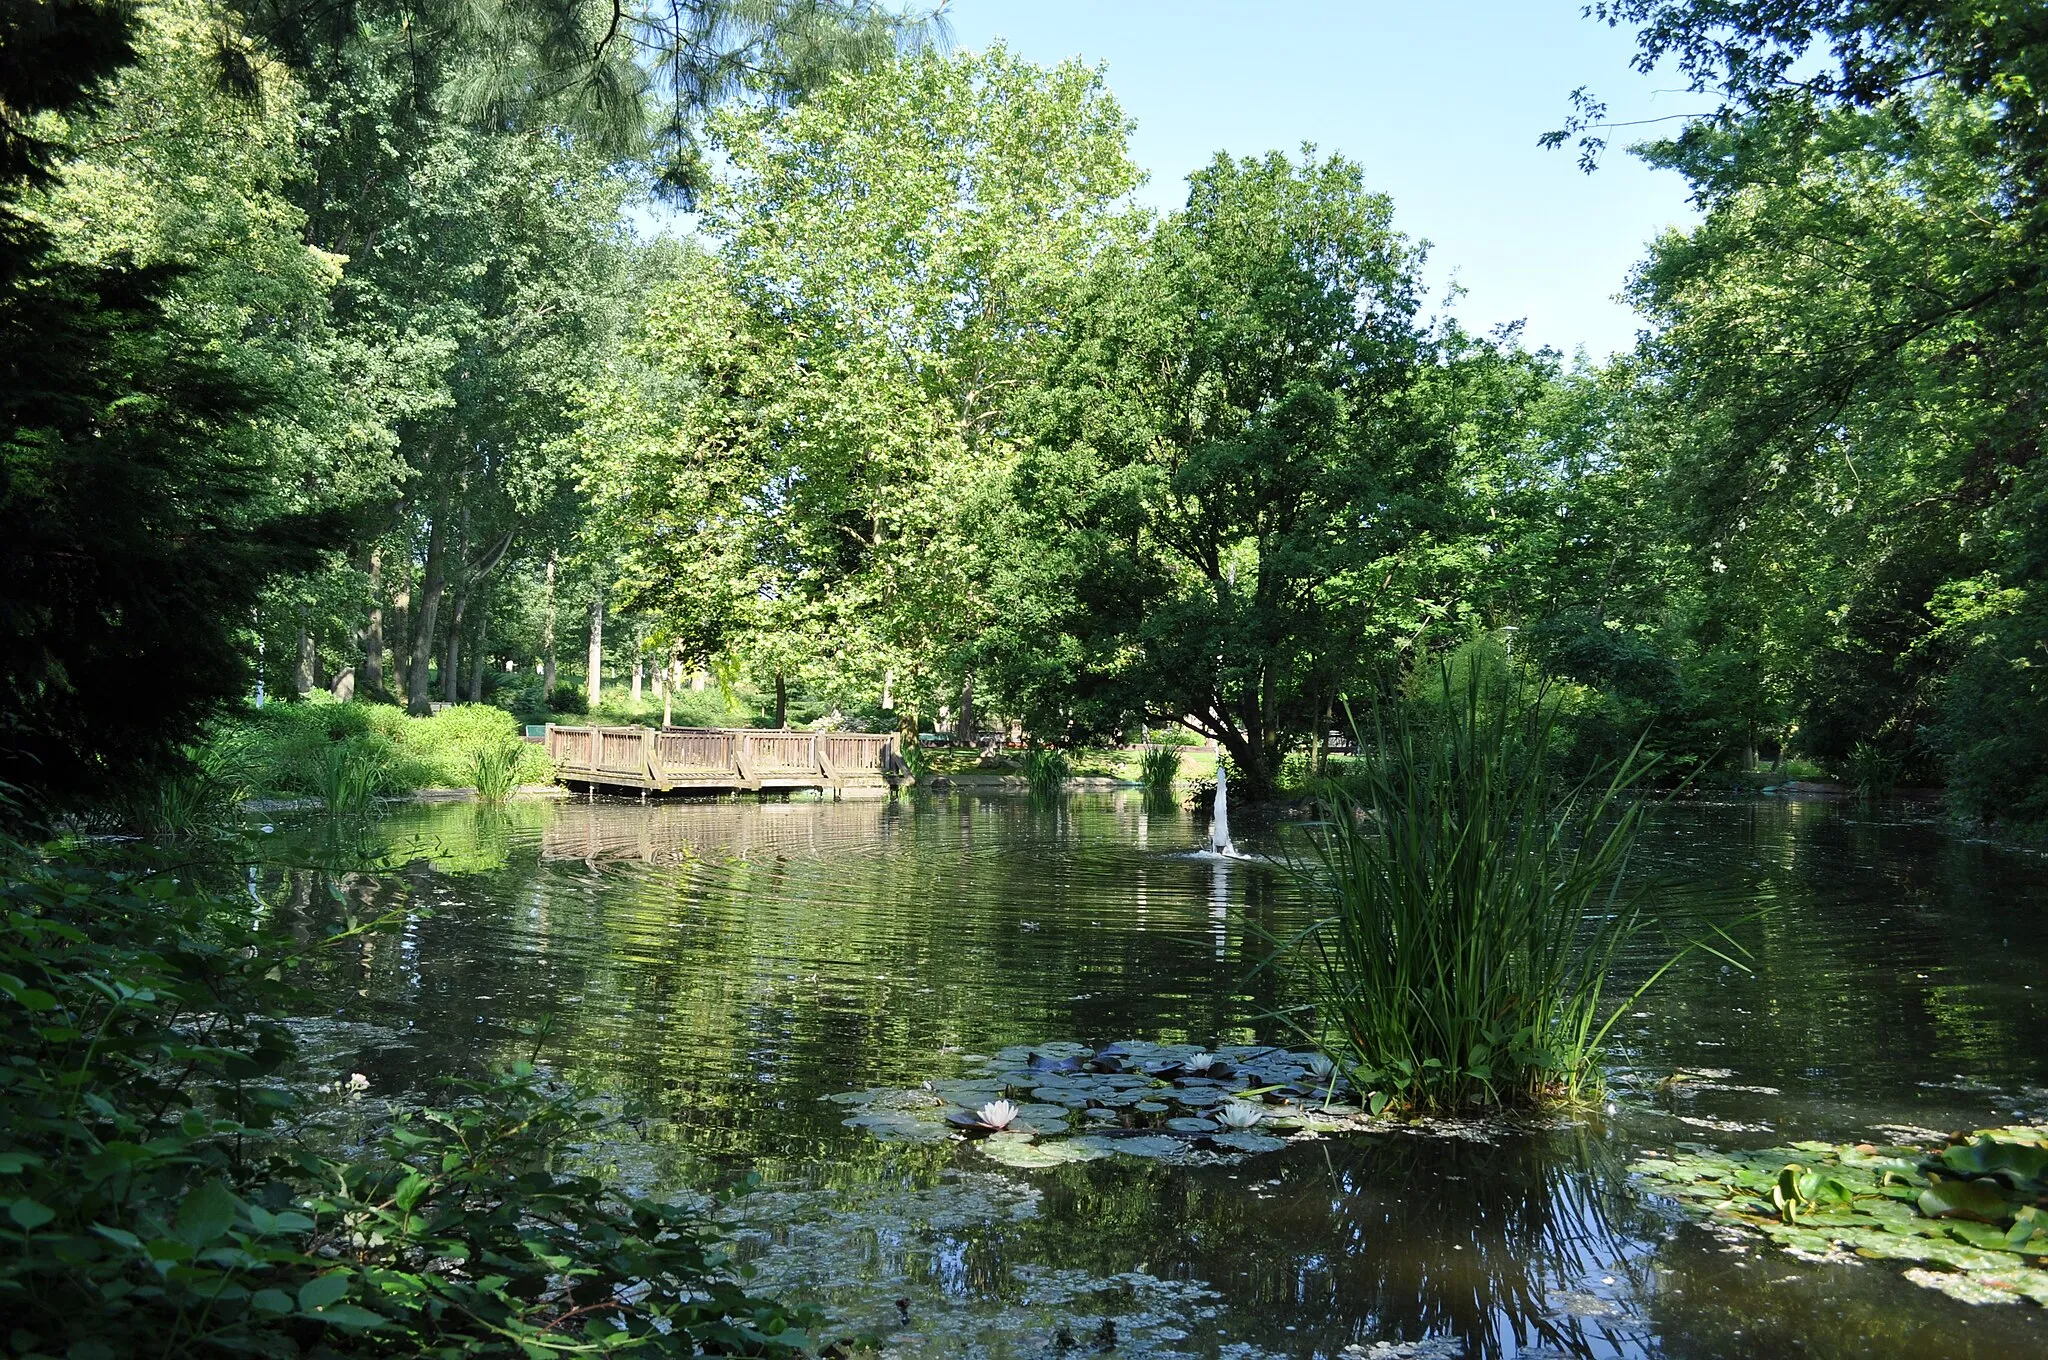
{"x": 1440, "y": 100}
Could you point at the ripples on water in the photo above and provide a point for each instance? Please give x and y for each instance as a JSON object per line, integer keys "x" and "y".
{"x": 724, "y": 965}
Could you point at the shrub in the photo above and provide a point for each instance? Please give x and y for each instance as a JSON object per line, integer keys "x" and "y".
{"x": 1472, "y": 907}
{"x": 567, "y": 698}
{"x": 308, "y": 747}
{"x": 155, "y": 1205}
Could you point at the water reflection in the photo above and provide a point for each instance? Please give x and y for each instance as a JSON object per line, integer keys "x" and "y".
{"x": 724, "y": 965}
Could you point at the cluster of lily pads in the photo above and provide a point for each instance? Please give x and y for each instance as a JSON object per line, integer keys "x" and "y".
{"x": 1969, "y": 1219}
{"x": 1037, "y": 1106}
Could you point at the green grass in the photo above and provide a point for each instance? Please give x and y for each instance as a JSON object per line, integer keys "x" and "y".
{"x": 1471, "y": 909}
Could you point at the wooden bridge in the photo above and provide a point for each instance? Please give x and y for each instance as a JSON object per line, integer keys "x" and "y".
{"x": 687, "y": 759}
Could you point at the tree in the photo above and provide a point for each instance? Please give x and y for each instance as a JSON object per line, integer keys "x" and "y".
{"x": 1849, "y": 349}
{"x": 146, "y": 424}
{"x": 799, "y": 475}
{"x": 1242, "y": 449}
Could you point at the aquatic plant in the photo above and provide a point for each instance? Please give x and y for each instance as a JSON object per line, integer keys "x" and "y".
{"x": 1047, "y": 770}
{"x": 494, "y": 770}
{"x": 916, "y": 763}
{"x": 1966, "y": 1218}
{"x": 346, "y": 777}
{"x": 1159, "y": 767}
{"x": 1471, "y": 908}
{"x": 998, "y": 1114}
{"x": 1238, "y": 1114}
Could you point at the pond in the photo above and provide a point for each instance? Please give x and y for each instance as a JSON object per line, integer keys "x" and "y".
{"x": 721, "y": 967}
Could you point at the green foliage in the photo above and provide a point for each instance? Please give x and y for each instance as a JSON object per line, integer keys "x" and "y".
{"x": 148, "y": 433}
{"x": 798, "y": 465}
{"x": 1159, "y": 767}
{"x": 494, "y": 769}
{"x": 319, "y": 747}
{"x": 1471, "y": 907}
{"x": 567, "y": 698}
{"x": 156, "y": 1202}
{"x": 1225, "y": 401}
{"x": 1047, "y": 769}
{"x": 916, "y": 762}
{"x": 346, "y": 778}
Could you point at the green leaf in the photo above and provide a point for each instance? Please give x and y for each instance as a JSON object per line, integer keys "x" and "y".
{"x": 350, "y": 1316}
{"x": 205, "y": 1213}
{"x": 1981, "y": 1200}
{"x": 271, "y": 1301}
{"x": 29, "y": 1213}
{"x": 411, "y": 1188}
{"x": 323, "y": 1290}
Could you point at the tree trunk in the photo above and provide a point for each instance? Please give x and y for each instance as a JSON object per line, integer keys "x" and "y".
{"x": 302, "y": 672}
{"x": 547, "y": 636}
{"x": 665, "y": 681}
{"x": 963, "y": 727}
{"x": 344, "y": 685}
{"x": 594, "y": 682}
{"x": 373, "y": 630}
{"x": 639, "y": 663}
{"x": 781, "y": 700}
{"x": 451, "y": 659}
{"x": 481, "y": 645}
{"x": 418, "y": 702}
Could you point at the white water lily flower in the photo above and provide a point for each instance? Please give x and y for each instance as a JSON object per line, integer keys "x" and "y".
{"x": 998, "y": 1114}
{"x": 1320, "y": 1067}
{"x": 1201, "y": 1062}
{"x": 1238, "y": 1114}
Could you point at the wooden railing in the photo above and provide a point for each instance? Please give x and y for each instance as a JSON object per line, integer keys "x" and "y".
{"x": 721, "y": 758}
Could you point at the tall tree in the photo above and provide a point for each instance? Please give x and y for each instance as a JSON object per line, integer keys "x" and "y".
{"x": 149, "y": 427}
{"x": 1242, "y": 444}
{"x": 829, "y": 392}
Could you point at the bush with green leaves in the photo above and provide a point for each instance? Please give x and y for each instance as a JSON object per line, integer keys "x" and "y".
{"x": 320, "y": 748}
{"x": 160, "y": 1195}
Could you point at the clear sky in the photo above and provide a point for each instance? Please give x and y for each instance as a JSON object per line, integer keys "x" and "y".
{"x": 1440, "y": 100}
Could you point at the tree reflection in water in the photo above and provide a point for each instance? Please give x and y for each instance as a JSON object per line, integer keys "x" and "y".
{"x": 1519, "y": 1243}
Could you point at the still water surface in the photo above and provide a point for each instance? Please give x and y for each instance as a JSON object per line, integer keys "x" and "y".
{"x": 722, "y": 966}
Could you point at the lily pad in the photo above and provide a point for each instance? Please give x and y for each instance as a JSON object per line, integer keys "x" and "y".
{"x": 1822, "y": 1202}
{"x": 1190, "y": 1124}
{"x": 1025, "y": 1154}
{"x": 1148, "y": 1145}
{"x": 1245, "y": 1141}
{"x": 1980, "y": 1200}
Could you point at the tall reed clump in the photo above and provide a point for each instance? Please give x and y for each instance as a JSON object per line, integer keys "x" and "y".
{"x": 494, "y": 770}
{"x": 1159, "y": 767}
{"x": 1472, "y": 908}
{"x": 346, "y": 778}
{"x": 916, "y": 762}
{"x": 1047, "y": 770}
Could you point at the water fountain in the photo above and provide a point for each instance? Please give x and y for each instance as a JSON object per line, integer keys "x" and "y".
{"x": 1219, "y": 819}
